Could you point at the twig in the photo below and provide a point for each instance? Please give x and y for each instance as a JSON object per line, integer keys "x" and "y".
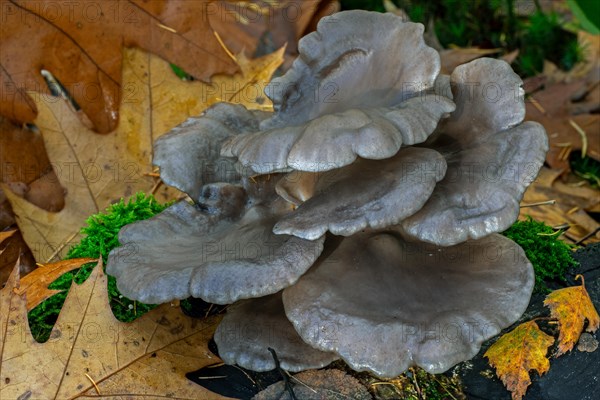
{"x": 586, "y": 237}
{"x": 541, "y": 203}
{"x": 584, "y": 141}
{"x": 229, "y": 53}
{"x": 94, "y": 383}
{"x": 62, "y": 245}
{"x": 286, "y": 380}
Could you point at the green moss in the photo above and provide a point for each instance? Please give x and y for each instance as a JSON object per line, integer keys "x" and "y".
{"x": 492, "y": 24}
{"x": 586, "y": 168}
{"x": 100, "y": 237}
{"x": 550, "y": 256}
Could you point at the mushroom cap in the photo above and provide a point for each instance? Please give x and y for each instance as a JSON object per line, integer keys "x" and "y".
{"x": 336, "y": 140}
{"x": 184, "y": 252}
{"x": 340, "y": 67}
{"x": 189, "y": 154}
{"x": 384, "y": 304}
{"x": 365, "y": 194}
{"x": 492, "y": 157}
{"x": 375, "y": 81}
{"x": 251, "y": 326}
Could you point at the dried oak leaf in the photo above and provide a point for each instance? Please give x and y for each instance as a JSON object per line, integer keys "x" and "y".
{"x": 90, "y": 353}
{"x": 35, "y": 283}
{"x": 97, "y": 170}
{"x": 516, "y": 353}
{"x": 571, "y": 307}
{"x": 80, "y": 43}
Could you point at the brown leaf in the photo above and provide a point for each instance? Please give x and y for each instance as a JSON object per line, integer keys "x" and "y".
{"x": 516, "y": 353}
{"x": 452, "y": 58}
{"x": 6, "y": 235}
{"x": 97, "y": 170}
{"x": 572, "y": 205}
{"x": 90, "y": 353}
{"x": 81, "y": 43}
{"x": 35, "y": 284}
{"x": 571, "y": 307}
{"x": 567, "y": 98}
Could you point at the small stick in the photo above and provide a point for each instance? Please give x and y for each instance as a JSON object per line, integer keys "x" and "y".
{"x": 62, "y": 245}
{"x": 584, "y": 141}
{"x": 94, "y": 383}
{"x": 537, "y": 105}
{"x": 541, "y": 203}
{"x": 229, "y": 53}
{"x": 586, "y": 237}
{"x": 286, "y": 380}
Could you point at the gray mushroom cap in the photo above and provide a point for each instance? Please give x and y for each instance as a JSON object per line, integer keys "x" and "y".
{"x": 251, "y": 326}
{"x": 189, "y": 154}
{"x": 184, "y": 252}
{"x": 492, "y": 157}
{"x": 378, "y": 77}
{"x": 368, "y": 193}
{"x": 384, "y": 304}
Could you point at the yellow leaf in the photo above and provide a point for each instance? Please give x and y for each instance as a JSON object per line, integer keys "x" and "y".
{"x": 97, "y": 170}
{"x": 516, "y": 353}
{"x": 90, "y": 353}
{"x": 571, "y": 307}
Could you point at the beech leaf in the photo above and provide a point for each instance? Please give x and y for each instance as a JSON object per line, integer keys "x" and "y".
{"x": 571, "y": 307}
{"x": 91, "y": 354}
{"x": 516, "y": 353}
{"x": 97, "y": 170}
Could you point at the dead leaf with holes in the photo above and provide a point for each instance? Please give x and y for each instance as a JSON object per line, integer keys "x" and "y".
{"x": 97, "y": 170}
{"x": 572, "y": 207}
{"x": 516, "y": 353}
{"x": 571, "y": 306}
{"x": 90, "y": 353}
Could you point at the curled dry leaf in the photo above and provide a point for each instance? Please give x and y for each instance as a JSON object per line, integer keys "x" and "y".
{"x": 96, "y": 169}
{"x": 90, "y": 353}
{"x": 571, "y": 307}
{"x": 516, "y": 353}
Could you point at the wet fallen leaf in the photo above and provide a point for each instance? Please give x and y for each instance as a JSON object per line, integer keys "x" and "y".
{"x": 81, "y": 43}
{"x": 91, "y": 354}
{"x": 97, "y": 170}
{"x": 571, "y": 307}
{"x": 35, "y": 284}
{"x": 516, "y": 353}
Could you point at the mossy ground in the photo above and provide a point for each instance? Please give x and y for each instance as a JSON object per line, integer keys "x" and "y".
{"x": 101, "y": 236}
{"x": 550, "y": 256}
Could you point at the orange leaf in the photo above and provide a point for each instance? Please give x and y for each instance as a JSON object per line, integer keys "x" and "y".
{"x": 92, "y": 355}
{"x": 35, "y": 284}
{"x": 516, "y": 353}
{"x": 6, "y": 235}
{"x": 571, "y": 307}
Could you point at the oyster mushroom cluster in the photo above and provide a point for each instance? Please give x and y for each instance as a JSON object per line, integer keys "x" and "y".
{"x": 356, "y": 221}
